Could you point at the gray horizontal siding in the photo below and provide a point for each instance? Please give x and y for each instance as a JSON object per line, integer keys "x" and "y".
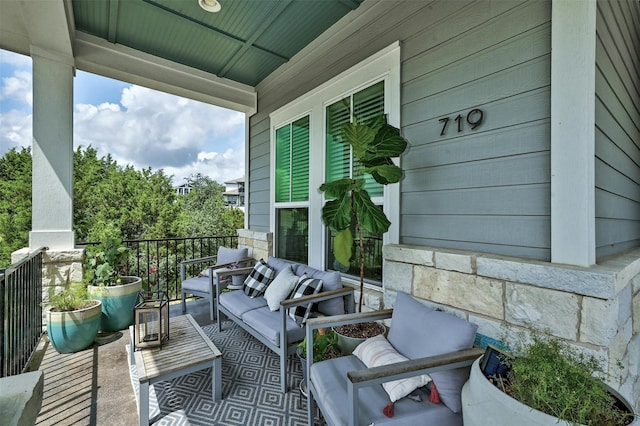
{"x": 485, "y": 190}
{"x": 617, "y": 133}
{"x": 259, "y": 172}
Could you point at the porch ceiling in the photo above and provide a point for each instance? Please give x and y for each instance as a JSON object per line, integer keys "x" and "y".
{"x": 140, "y": 41}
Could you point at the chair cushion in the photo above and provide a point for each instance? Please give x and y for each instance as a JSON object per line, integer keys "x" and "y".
{"x": 329, "y": 380}
{"x": 238, "y": 303}
{"x": 377, "y": 351}
{"x": 331, "y": 280}
{"x": 417, "y": 331}
{"x": 258, "y": 280}
{"x": 280, "y": 288}
{"x": 198, "y": 284}
{"x": 280, "y": 264}
{"x": 306, "y": 286}
{"x": 229, "y": 255}
{"x": 268, "y": 323}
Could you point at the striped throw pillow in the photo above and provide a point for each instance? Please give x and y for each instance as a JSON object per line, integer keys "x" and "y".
{"x": 306, "y": 286}
{"x": 258, "y": 280}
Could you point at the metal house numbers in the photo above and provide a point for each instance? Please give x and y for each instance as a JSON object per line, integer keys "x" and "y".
{"x": 474, "y": 119}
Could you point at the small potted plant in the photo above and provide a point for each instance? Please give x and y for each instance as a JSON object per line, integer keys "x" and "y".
{"x": 72, "y": 320}
{"x": 325, "y": 346}
{"x": 544, "y": 381}
{"x": 103, "y": 268}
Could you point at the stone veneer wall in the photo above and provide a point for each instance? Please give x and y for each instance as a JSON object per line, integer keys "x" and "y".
{"x": 59, "y": 270}
{"x": 596, "y": 309}
{"x": 260, "y": 244}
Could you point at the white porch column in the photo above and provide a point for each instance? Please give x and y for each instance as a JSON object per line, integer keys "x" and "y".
{"x": 52, "y": 181}
{"x": 573, "y": 57}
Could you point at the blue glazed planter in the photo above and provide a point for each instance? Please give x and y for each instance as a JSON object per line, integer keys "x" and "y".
{"x": 117, "y": 303}
{"x": 75, "y": 330}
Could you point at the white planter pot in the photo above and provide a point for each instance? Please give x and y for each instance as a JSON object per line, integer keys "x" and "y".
{"x": 484, "y": 404}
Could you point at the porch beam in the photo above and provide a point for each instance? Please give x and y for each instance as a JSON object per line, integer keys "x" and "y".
{"x": 573, "y": 58}
{"x": 97, "y": 56}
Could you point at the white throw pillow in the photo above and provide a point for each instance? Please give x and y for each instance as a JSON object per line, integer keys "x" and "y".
{"x": 377, "y": 351}
{"x": 280, "y": 288}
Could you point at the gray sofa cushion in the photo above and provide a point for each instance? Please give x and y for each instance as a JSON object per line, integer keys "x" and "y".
{"x": 197, "y": 284}
{"x": 238, "y": 303}
{"x": 267, "y": 323}
{"x": 331, "y": 280}
{"x": 417, "y": 331}
{"x": 330, "y": 380}
{"x": 280, "y": 264}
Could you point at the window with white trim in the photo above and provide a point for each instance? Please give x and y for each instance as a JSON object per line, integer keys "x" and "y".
{"x": 292, "y": 190}
{"x": 364, "y": 105}
{"x": 366, "y": 90}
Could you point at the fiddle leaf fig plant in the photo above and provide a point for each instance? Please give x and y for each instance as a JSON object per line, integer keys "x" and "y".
{"x": 374, "y": 145}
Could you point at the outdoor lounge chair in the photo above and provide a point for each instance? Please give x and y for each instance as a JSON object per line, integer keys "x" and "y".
{"x": 203, "y": 284}
{"x": 436, "y": 343}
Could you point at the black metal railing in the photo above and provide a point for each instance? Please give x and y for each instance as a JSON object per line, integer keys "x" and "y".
{"x": 157, "y": 261}
{"x": 21, "y": 308}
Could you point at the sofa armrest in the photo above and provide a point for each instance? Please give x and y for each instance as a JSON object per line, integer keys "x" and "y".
{"x": 336, "y": 320}
{"x": 413, "y": 367}
{"x": 315, "y": 298}
{"x": 199, "y": 260}
{"x": 401, "y": 370}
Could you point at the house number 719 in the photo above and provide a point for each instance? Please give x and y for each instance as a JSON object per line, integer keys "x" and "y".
{"x": 474, "y": 119}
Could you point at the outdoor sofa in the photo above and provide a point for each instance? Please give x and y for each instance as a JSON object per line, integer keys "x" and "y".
{"x": 276, "y": 329}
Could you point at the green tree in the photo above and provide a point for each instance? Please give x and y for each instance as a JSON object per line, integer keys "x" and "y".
{"x": 111, "y": 200}
{"x": 204, "y": 211}
{"x": 15, "y": 202}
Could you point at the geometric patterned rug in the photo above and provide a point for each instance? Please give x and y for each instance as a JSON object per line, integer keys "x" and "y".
{"x": 250, "y": 388}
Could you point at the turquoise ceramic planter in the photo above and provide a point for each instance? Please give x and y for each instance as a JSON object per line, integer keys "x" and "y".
{"x": 75, "y": 330}
{"x": 117, "y": 303}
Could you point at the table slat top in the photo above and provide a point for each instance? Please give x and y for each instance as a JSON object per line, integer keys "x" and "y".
{"x": 187, "y": 345}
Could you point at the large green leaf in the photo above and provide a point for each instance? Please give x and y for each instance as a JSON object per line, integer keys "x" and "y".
{"x": 371, "y": 218}
{"x": 359, "y": 136}
{"x": 385, "y": 174}
{"x": 336, "y": 214}
{"x": 388, "y": 142}
{"x": 342, "y": 246}
{"x": 338, "y": 188}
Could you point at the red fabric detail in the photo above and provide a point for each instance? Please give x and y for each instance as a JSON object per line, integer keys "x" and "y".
{"x": 434, "y": 397}
{"x": 388, "y": 410}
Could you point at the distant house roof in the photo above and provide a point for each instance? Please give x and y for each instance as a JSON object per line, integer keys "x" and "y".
{"x": 236, "y": 181}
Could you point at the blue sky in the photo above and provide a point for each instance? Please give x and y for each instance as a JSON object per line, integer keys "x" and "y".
{"x": 136, "y": 125}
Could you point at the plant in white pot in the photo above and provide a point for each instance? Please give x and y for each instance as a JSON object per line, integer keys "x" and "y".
{"x": 546, "y": 382}
{"x": 72, "y": 320}
{"x": 105, "y": 282}
{"x": 349, "y": 210}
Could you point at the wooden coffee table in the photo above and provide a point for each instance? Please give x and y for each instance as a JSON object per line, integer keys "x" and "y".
{"x": 187, "y": 350}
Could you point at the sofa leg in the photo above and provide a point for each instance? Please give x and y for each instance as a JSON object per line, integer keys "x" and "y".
{"x": 311, "y": 408}
{"x": 283, "y": 373}
{"x": 212, "y": 314}
{"x": 184, "y": 303}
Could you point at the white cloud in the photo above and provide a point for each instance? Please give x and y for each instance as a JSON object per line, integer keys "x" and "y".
{"x": 15, "y": 130}
{"x": 146, "y": 129}
{"x": 165, "y": 132}
{"x": 18, "y": 87}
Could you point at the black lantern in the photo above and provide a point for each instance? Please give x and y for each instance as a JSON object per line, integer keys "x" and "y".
{"x": 151, "y": 319}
